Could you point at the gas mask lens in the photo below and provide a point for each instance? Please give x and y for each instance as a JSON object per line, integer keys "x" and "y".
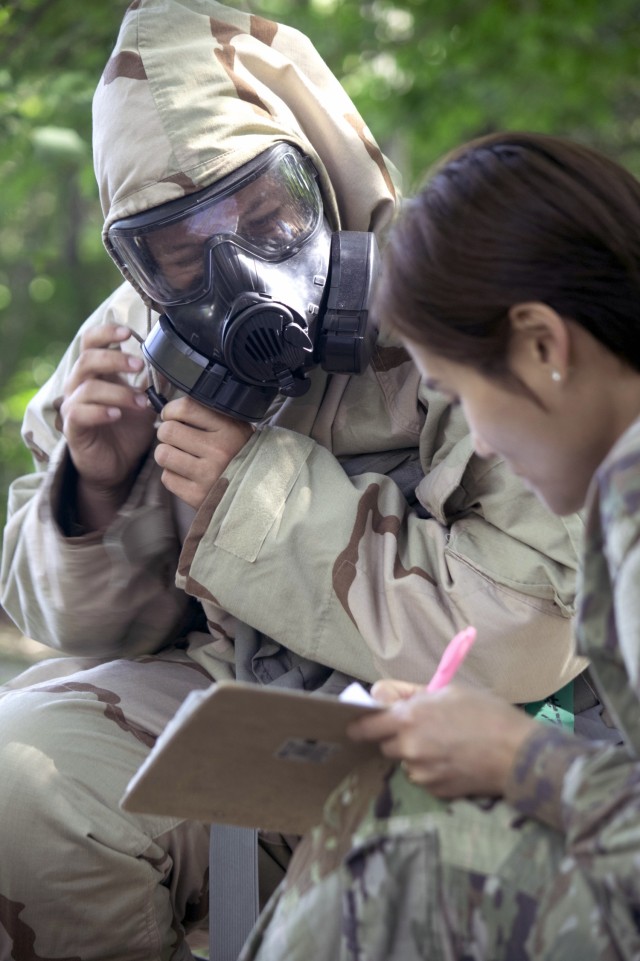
{"x": 269, "y": 210}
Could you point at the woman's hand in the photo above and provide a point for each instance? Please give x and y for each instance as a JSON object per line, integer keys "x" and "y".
{"x": 196, "y": 446}
{"x": 107, "y": 423}
{"x": 455, "y": 742}
{"x": 389, "y": 691}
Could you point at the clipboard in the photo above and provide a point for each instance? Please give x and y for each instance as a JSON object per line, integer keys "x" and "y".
{"x": 252, "y": 756}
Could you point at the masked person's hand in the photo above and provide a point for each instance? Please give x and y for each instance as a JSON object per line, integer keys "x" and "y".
{"x": 107, "y": 423}
{"x": 196, "y": 444}
{"x": 455, "y": 742}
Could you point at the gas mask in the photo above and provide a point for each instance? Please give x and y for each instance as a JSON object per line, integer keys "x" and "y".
{"x": 253, "y": 287}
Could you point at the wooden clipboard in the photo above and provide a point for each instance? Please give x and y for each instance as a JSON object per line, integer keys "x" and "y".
{"x": 252, "y": 756}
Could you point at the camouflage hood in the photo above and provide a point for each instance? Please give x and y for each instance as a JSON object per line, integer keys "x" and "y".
{"x": 195, "y": 89}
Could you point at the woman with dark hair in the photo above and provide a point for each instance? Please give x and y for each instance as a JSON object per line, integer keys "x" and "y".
{"x": 513, "y": 278}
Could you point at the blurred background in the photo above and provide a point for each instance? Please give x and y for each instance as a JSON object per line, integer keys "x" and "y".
{"x": 425, "y": 74}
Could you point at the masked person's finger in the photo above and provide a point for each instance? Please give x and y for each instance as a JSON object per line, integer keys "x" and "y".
{"x": 184, "y": 475}
{"x": 105, "y": 363}
{"x": 176, "y": 461}
{"x": 189, "y": 411}
{"x": 104, "y": 335}
{"x": 100, "y": 355}
{"x": 185, "y": 489}
{"x": 217, "y": 446}
{"x": 181, "y": 437}
{"x": 112, "y": 396}
{"x": 88, "y": 415}
{"x": 182, "y": 459}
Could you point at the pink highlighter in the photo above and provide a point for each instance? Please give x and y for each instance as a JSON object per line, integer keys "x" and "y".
{"x": 454, "y": 654}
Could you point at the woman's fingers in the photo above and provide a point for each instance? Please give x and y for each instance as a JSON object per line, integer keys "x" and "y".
{"x": 389, "y": 691}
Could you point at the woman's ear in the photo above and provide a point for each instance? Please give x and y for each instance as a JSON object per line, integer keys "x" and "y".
{"x": 540, "y": 343}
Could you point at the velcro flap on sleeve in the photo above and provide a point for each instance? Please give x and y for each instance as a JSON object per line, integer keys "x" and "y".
{"x": 257, "y": 501}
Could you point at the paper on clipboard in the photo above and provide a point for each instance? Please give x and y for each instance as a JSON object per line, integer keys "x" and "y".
{"x": 251, "y": 756}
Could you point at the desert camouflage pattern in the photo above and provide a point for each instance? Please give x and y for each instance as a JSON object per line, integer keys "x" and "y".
{"x": 552, "y": 872}
{"x": 79, "y": 878}
{"x": 354, "y": 533}
{"x": 408, "y": 527}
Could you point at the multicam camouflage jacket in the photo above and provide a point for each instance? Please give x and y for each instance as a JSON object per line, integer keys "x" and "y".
{"x": 356, "y": 530}
{"x": 608, "y": 629}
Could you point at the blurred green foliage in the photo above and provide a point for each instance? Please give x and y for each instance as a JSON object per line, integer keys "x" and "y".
{"x": 425, "y": 74}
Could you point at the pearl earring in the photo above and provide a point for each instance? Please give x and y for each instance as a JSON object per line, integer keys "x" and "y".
{"x": 556, "y": 376}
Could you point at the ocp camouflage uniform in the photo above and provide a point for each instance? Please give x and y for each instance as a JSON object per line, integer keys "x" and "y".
{"x": 552, "y": 872}
{"x": 349, "y": 538}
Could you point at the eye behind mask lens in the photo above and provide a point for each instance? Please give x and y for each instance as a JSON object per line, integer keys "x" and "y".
{"x": 270, "y": 213}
